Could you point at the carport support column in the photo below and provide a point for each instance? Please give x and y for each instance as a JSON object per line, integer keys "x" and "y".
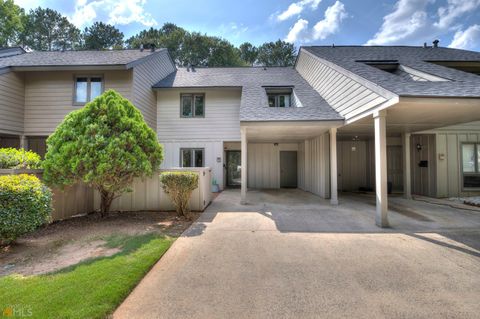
{"x": 407, "y": 182}
{"x": 244, "y": 173}
{"x": 333, "y": 167}
{"x": 381, "y": 218}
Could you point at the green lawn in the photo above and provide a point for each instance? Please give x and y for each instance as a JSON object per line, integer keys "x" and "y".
{"x": 92, "y": 289}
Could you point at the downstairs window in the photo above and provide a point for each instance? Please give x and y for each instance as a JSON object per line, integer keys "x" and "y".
{"x": 471, "y": 165}
{"x": 192, "y": 157}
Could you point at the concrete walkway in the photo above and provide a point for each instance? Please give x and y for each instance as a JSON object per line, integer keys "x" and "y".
{"x": 290, "y": 254}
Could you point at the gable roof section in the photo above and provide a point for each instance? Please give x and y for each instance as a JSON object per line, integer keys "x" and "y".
{"x": 352, "y": 59}
{"x": 108, "y": 58}
{"x": 253, "y": 81}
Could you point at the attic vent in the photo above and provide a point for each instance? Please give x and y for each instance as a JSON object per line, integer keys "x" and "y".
{"x": 404, "y": 72}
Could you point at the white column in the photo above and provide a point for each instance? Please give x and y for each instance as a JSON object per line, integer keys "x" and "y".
{"x": 381, "y": 218}
{"x": 333, "y": 167}
{"x": 23, "y": 142}
{"x": 407, "y": 182}
{"x": 244, "y": 172}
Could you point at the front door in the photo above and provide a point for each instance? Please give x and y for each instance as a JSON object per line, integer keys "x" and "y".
{"x": 234, "y": 171}
{"x": 288, "y": 169}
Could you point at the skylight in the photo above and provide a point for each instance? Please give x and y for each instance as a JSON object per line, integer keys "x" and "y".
{"x": 404, "y": 72}
{"x": 465, "y": 66}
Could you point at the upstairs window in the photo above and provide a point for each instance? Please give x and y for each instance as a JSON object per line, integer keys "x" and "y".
{"x": 192, "y": 105}
{"x": 192, "y": 157}
{"x": 471, "y": 165}
{"x": 279, "y": 97}
{"x": 87, "y": 88}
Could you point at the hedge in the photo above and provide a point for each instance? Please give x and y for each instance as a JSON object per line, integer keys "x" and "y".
{"x": 179, "y": 187}
{"x": 19, "y": 158}
{"x": 25, "y": 204}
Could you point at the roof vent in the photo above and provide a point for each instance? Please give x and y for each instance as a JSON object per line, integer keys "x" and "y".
{"x": 333, "y": 45}
{"x": 425, "y": 45}
{"x": 435, "y": 43}
{"x": 141, "y": 47}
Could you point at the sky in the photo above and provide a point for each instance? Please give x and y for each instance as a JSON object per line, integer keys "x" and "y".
{"x": 456, "y": 23}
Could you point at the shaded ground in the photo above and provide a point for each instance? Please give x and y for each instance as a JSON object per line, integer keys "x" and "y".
{"x": 289, "y": 254}
{"x": 69, "y": 242}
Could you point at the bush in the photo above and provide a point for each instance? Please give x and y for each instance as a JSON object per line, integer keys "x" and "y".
{"x": 19, "y": 158}
{"x": 105, "y": 144}
{"x": 179, "y": 187}
{"x": 25, "y": 204}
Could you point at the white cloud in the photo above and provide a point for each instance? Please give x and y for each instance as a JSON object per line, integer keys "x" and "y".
{"x": 408, "y": 17}
{"x": 29, "y": 4}
{"x": 468, "y": 39}
{"x": 331, "y": 22}
{"x": 116, "y": 12}
{"x": 297, "y": 8}
{"x": 454, "y": 9}
{"x": 295, "y": 32}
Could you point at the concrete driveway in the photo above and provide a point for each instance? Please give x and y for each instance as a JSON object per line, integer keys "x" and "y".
{"x": 290, "y": 254}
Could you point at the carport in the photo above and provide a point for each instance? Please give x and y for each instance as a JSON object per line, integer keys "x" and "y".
{"x": 409, "y": 115}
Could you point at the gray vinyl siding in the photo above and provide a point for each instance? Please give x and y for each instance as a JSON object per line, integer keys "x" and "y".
{"x": 346, "y": 95}
{"x": 221, "y": 121}
{"x": 264, "y": 164}
{"x": 49, "y": 96}
{"x": 145, "y": 75}
{"x": 448, "y": 171}
{"x": 314, "y": 166}
{"x": 12, "y": 100}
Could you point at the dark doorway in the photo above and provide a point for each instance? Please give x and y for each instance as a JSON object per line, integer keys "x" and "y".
{"x": 234, "y": 170}
{"x": 288, "y": 169}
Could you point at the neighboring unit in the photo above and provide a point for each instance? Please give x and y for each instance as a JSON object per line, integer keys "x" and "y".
{"x": 38, "y": 89}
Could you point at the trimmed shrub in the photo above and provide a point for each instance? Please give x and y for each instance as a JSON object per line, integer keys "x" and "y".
{"x": 105, "y": 144}
{"x": 25, "y": 204}
{"x": 179, "y": 187}
{"x": 19, "y": 159}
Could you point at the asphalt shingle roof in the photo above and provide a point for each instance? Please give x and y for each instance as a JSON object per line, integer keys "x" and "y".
{"x": 74, "y": 58}
{"x": 253, "y": 80}
{"x": 461, "y": 84}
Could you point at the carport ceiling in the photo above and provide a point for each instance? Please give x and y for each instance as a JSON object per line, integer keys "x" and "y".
{"x": 286, "y": 131}
{"x": 420, "y": 114}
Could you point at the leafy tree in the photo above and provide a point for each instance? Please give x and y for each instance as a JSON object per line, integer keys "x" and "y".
{"x": 169, "y": 36}
{"x": 223, "y": 53}
{"x": 188, "y": 48}
{"x": 47, "y": 29}
{"x": 105, "y": 144}
{"x": 12, "y": 20}
{"x": 279, "y": 53}
{"x": 248, "y": 53}
{"x": 102, "y": 36}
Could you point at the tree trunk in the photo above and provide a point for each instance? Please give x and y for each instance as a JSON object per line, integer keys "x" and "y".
{"x": 106, "y": 202}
